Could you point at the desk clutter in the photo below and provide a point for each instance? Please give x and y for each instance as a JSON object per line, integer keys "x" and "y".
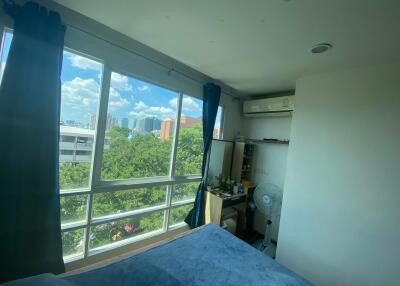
{"x": 231, "y": 200}
{"x": 230, "y": 166}
{"x": 226, "y": 210}
{"x": 229, "y": 175}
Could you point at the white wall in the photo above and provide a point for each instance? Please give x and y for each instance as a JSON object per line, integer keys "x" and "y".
{"x": 232, "y": 120}
{"x": 270, "y": 159}
{"x": 340, "y": 217}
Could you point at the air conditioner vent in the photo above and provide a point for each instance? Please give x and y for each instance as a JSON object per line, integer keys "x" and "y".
{"x": 277, "y": 106}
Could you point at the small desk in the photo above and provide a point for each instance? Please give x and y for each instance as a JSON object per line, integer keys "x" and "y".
{"x": 215, "y": 203}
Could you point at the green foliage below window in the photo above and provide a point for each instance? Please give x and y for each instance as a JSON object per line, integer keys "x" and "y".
{"x": 130, "y": 156}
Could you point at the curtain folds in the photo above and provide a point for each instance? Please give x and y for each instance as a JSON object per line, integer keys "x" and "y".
{"x": 211, "y": 97}
{"x": 30, "y": 233}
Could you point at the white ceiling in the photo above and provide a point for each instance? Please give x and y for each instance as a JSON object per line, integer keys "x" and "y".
{"x": 257, "y": 46}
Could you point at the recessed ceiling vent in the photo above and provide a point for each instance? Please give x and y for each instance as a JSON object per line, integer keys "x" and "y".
{"x": 321, "y": 48}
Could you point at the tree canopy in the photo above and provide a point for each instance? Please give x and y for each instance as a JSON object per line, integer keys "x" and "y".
{"x": 129, "y": 156}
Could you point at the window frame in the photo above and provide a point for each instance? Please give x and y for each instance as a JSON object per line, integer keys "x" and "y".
{"x": 97, "y": 185}
{"x": 116, "y": 59}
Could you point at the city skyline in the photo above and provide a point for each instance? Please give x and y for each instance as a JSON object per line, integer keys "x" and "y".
{"x": 128, "y": 97}
{"x": 144, "y": 125}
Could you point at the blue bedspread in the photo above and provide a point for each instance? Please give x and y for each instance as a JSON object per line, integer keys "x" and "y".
{"x": 210, "y": 256}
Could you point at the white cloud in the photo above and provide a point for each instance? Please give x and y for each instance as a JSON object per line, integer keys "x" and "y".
{"x": 80, "y": 92}
{"x": 173, "y": 102}
{"x": 140, "y": 114}
{"x": 84, "y": 63}
{"x": 140, "y": 105}
{"x": 144, "y": 88}
{"x": 116, "y": 101}
{"x": 188, "y": 104}
{"x": 161, "y": 112}
{"x": 120, "y": 82}
{"x": 160, "y": 109}
{"x": 142, "y": 110}
{"x": 85, "y": 93}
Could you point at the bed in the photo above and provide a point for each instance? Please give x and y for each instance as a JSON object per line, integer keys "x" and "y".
{"x": 206, "y": 256}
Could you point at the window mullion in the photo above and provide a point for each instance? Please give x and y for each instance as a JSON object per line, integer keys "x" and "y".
{"x": 176, "y": 136}
{"x": 173, "y": 160}
{"x": 167, "y": 211}
{"x": 98, "y": 150}
{"x": 101, "y": 127}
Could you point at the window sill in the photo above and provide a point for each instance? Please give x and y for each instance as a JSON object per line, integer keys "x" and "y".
{"x": 111, "y": 250}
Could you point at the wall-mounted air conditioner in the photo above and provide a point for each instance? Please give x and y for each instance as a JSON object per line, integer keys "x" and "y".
{"x": 276, "y": 106}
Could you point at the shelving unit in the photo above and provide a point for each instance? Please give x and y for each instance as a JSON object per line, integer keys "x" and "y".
{"x": 242, "y": 161}
{"x": 267, "y": 141}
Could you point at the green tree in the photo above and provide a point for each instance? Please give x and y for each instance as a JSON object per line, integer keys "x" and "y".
{"x": 74, "y": 175}
{"x": 130, "y": 156}
{"x": 190, "y": 151}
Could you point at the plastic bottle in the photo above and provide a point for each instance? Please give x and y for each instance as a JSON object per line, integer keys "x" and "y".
{"x": 237, "y": 138}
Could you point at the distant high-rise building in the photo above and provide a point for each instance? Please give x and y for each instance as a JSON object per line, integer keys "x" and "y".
{"x": 149, "y": 124}
{"x": 125, "y": 123}
{"x": 187, "y": 121}
{"x": 111, "y": 122}
{"x": 156, "y": 123}
{"x": 70, "y": 122}
{"x": 168, "y": 125}
{"x": 74, "y": 123}
{"x": 167, "y": 128}
{"x": 93, "y": 119}
{"x": 146, "y": 124}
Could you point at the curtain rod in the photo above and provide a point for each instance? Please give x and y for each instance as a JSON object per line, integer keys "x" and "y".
{"x": 169, "y": 69}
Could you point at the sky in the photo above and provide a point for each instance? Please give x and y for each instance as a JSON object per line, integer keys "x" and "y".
{"x": 128, "y": 97}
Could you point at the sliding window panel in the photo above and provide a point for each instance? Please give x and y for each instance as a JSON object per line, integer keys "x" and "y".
{"x": 73, "y": 209}
{"x": 178, "y": 214}
{"x": 183, "y": 192}
{"x": 117, "y": 202}
{"x": 80, "y": 91}
{"x": 73, "y": 243}
{"x": 105, "y": 234}
{"x": 139, "y": 129}
{"x": 190, "y": 142}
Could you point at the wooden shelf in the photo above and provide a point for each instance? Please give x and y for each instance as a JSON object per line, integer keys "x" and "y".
{"x": 268, "y": 141}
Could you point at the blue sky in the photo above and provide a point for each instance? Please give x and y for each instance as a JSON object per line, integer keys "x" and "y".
{"x": 128, "y": 97}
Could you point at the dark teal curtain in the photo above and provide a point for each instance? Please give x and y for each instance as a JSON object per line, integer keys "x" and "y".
{"x": 30, "y": 234}
{"x": 211, "y": 96}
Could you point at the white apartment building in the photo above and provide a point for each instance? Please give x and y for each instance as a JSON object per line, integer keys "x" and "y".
{"x": 76, "y": 144}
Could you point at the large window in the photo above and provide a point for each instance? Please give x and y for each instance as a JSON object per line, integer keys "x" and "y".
{"x": 130, "y": 155}
{"x": 190, "y": 141}
{"x": 80, "y": 94}
{"x": 136, "y": 111}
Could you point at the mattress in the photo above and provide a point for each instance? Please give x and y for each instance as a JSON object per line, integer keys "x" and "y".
{"x": 208, "y": 256}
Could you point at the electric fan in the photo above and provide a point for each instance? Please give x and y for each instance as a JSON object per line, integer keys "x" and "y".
{"x": 268, "y": 200}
